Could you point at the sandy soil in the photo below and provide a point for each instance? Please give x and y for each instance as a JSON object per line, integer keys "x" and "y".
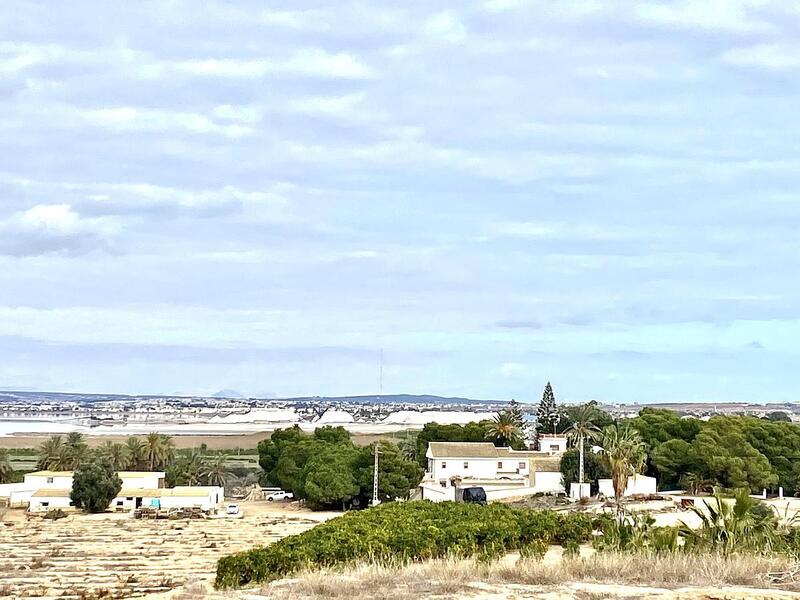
{"x": 115, "y": 554}
{"x": 214, "y": 442}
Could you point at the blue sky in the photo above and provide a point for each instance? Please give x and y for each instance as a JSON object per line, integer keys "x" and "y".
{"x": 261, "y": 196}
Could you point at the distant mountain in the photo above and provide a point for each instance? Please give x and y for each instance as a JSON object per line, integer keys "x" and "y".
{"x": 228, "y": 394}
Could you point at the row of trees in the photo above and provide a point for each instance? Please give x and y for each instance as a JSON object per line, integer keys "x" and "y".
{"x": 155, "y": 452}
{"x": 327, "y": 470}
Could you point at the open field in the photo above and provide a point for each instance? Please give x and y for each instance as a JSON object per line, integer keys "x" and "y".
{"x": 212, "y": 442}
{"x": 86, "y": 556}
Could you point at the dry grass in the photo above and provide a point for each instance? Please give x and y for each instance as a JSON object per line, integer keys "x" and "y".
{"x": 449, "y": 577}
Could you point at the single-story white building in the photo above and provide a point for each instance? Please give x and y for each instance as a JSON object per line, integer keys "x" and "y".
{"x": 203, "y": 497}
{"x": 49, "y": 499}
{"x": 501, "y": 472}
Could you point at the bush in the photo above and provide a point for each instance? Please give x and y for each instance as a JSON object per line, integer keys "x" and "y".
{"x": 94, "y": 486}
{"x": 405, "y": 532}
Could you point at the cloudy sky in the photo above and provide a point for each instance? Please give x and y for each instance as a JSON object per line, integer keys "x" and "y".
{"x": 262, "y": 196}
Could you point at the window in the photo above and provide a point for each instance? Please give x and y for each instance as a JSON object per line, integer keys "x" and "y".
{"x": 466, "y": 465}
{"x": 45, "y": 504}
{"x": 129, "y": 498}
{"x": 499, "y": 464}
{"x": 522, "y": 466}
{"x": 554, "y": 447}
{"x": 444, "y": 465}
{"x": 443, "y": 483}
{"x": 49, "y": 480}
{"x": 120, "y": 502}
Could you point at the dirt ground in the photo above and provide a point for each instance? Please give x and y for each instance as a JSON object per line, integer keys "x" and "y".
{"x": 113, "y": 555}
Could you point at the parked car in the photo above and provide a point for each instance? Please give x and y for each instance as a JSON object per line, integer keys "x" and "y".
{"x": 279, "y": 495}
{"x": 475, "y": 495}
{"x": 232, "y": 509}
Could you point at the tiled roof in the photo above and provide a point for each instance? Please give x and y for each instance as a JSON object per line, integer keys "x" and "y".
{"x": 463, "y": 450}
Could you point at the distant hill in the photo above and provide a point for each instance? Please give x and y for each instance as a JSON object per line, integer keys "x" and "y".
{"x": 228, "y": 394}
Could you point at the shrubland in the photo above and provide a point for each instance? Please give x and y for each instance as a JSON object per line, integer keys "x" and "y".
{"x": 400, "y": 533}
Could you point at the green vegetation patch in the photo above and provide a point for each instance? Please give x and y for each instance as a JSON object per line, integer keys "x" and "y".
{"x": 410, "y": 531}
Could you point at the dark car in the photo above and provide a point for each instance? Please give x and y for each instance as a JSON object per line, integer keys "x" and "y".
{"x": 475, "y": 495}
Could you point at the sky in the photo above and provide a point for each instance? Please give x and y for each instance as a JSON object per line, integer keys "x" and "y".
{"x": 264, "y": 196}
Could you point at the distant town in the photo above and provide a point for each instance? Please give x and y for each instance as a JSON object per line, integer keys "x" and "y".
{"x": 51, "y": 412}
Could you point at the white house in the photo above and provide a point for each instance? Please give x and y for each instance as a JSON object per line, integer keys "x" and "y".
{"x": 62, "y": 480}
{"x": 501, "y": 472}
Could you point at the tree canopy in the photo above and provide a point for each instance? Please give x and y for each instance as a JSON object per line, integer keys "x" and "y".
{"x": 94, "y": 485}
{"x": 327, "y": 470}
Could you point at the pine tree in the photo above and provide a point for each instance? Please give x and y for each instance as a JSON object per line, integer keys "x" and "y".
{"x": 547, "y": 415}
{"x": 515, "y": 410}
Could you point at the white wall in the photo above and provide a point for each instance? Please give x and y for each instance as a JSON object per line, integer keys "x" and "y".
{"x": 479, "y": 468}
{"x": 150, "y": 481}
{"x": 39, "y": 482}
{"x": 44, "y": 504}
{"x": 637, "y": 484}
{"x": 548, "y": 482}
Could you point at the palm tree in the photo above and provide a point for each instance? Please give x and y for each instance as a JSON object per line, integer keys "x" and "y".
{"x": 159, "y": 450}
{"x": 75, "y": 449}
{"x": 729, "y": 526}
{"x": 136, "y": 454}
{"x": 408, "y": 446}
{"x": 583, "y": 429}
{"x": 6, "y": 469}
{"x": 191, "y": 467}
{"x": 625, "y": 454}
{"x": 215, "y": 472}
{"x": 116, "y": 454}
{"x": 51, "y": 454}
{"x": 503, "y": 429}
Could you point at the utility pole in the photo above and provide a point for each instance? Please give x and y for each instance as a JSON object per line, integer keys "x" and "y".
{"x": 375, "y": 500}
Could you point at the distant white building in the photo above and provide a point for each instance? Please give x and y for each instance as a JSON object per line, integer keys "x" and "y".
{"x": 62, "y": 480}
{"x": 45, "y": 490}
{"x": 501, "y": 472}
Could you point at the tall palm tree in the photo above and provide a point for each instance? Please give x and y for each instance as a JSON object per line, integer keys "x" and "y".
{"x": 51, "y": 454}
{"x": 625, "y": 454}
{"x": 75, "y": 449}
{"x": 136, "y": 454}
{"x": 504, "y": 429}
{"x": 159, "y": 451}
{"x": 215, "y": 472}
{"x": 116, "y": 454}
{"x": 5, "y": 466}
{"x": 191, "y": 467}
{"x": 582, "y": 430}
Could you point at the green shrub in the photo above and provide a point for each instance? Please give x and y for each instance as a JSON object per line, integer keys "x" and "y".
{"x": 411, "y": 531}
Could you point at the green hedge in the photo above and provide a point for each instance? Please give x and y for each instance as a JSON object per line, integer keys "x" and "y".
{"x": 408, "y": 531}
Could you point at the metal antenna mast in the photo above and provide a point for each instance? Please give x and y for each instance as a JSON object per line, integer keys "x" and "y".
{"x": 375, "y": 500}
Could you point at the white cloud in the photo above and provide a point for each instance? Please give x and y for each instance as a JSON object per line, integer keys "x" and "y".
{"x": 129, "y": 118}
{"x": 734, "y": 16}
{"x": 313, "y": 62}
{"x": 446, "y": 27}
{"x": 54, "y": 228}
{"x": 511, "y": 369}
{"x": 777, "y": 57}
